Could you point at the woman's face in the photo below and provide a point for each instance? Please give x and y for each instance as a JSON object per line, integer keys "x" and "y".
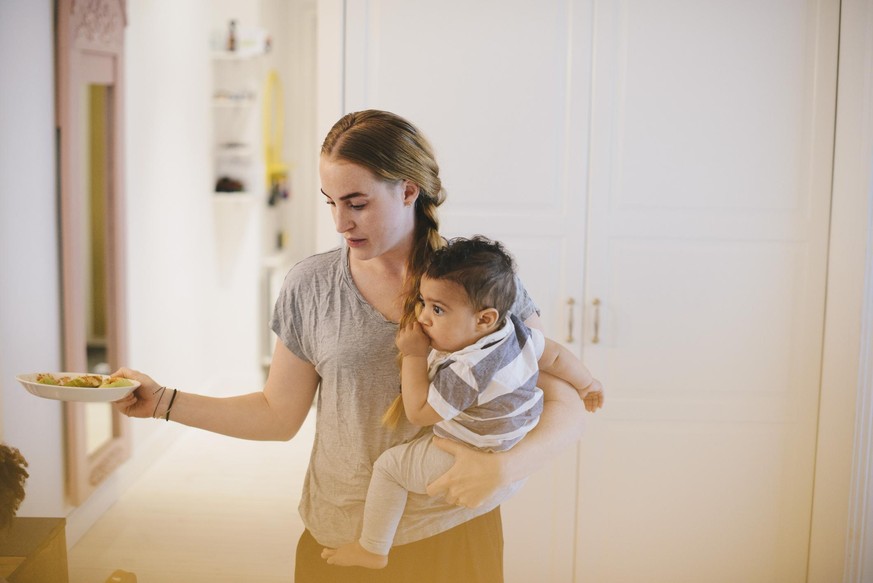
{"x": 374, "y": 216}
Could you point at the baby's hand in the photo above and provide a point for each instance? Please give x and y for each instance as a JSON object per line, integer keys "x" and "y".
{"x": 592, "y": 396}
{"x": 412, "y": 341}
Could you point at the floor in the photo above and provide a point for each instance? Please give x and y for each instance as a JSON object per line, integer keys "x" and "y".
{"x": 212, "y": 509}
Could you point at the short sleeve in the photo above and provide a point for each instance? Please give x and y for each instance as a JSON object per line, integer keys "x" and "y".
{"x": 524, "y": 307}
{"x": 452, "y": 389}
{"x": 292, "y": 313}
{"x": 538, "y": 341}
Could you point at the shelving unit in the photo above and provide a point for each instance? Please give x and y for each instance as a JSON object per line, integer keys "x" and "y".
{"x": 250, "y": 186}
{"x": 237, "y": 80}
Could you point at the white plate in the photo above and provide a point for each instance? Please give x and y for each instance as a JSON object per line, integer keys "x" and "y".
{"x": 82, "y": 394}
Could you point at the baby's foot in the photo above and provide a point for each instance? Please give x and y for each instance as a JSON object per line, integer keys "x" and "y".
{"x": 354, "y": 555}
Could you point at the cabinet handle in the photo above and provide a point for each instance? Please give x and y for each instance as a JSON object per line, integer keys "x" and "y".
{"x": 596, "y": 338}
{"x": 570, "y": 303}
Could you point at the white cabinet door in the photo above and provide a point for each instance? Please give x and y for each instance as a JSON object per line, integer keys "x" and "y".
{"x": 501, "y": 88}
{"x": 672, "y": 160}
{"x": 712, "y": 140}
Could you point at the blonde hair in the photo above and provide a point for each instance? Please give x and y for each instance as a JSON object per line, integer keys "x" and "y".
{"x": 394, "y": 149}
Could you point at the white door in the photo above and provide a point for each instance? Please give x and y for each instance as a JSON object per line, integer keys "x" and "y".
{"x": 501, "y": 88}
{"x": 712, "y": 141}
{"x": 692, "y": 139}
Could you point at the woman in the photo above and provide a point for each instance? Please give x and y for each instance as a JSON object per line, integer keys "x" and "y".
{"x": 336, "y": 319}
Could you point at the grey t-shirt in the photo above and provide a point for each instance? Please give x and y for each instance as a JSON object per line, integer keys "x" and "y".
{"x": 323, "y": 319}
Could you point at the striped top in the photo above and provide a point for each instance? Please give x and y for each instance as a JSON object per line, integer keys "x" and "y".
{"x": 486, "y": 393}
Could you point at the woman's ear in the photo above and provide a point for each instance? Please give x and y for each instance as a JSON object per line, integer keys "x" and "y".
{"x": 487, "y": 318}
{"x": 410, "y": 192}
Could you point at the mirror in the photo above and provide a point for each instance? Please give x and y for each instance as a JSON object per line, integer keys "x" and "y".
{"x": 90, "y": 63}
{"x": 99, "y": 425}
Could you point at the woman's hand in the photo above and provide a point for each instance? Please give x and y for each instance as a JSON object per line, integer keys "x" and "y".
{"x": 475, "y": 477}
{"x": 412, "y": 341}
{"x": 144, "y": 400}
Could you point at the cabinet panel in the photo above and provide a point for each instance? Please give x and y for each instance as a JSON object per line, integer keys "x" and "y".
{"x": 679, "y": 156}
{"x": 486, "y": 81}
{"x": 502, "y": 91}
{"x": 712, "y": 139}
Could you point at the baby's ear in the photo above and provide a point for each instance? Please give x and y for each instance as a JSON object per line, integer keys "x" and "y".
{"x": 487, "y": 318}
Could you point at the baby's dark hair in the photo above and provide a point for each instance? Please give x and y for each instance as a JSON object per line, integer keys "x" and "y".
{"x": 482, "y": 267}
{"x": 12, "y": 477}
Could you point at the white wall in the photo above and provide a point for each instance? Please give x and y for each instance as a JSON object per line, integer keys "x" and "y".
{"x": 190, "y": 324}
{"x": 29, "y": 277}
{"x": 170, "y": 258}
{"x": 193, "y": 272}
{"x": 173, "y": 268}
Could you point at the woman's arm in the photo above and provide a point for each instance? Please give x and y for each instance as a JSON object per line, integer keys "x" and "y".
{"x": 276, "y": 413}
{"x": 477, "y": 475}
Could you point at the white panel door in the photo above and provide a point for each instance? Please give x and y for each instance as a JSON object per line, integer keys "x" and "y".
{"x": 502, "y": 90}
{"x": 696, "y": 138}
{"x": 712, "y": 140}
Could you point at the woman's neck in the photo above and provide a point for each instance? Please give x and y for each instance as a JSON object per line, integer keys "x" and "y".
{"x": 390, "y": 264}
{"x": 382, "y": 266}
{"x": 380, "y": 281}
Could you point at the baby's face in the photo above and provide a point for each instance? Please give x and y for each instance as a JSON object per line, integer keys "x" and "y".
{"x": 447, "y": 316}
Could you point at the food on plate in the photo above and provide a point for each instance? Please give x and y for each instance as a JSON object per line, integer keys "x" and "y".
{"x": 92, "y": 381}
{"x": 116, "y": 382}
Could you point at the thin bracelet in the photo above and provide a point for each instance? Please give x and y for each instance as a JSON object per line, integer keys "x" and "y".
{"x": 173, "y": 398}
{"x": 154, "y": 413}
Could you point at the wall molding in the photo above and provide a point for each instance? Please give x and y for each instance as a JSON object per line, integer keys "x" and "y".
{"x": 858, "y": 18}
{"x": 98, "y": 22}
{"x": 859, "y": 546}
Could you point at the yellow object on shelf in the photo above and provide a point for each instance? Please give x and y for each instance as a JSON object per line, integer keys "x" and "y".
{"x": 274, "y": 169}
{"x": 274, "y": 125}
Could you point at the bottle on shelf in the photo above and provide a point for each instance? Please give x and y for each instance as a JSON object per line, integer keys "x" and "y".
{"x": 231, "y": 36}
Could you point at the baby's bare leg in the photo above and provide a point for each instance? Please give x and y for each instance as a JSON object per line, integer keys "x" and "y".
{"x": 386, "y": 499}
{"x": 406, "y": 468}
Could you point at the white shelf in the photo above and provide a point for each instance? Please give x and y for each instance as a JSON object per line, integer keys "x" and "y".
{"x": 244, "y": 54}
{"x": 239, "y": 196}
{"x": 228, "y": 103}
{"x": 241, "y": 152}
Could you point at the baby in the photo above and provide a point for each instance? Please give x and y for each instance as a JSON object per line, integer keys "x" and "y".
{"x": 477, "y": 385}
